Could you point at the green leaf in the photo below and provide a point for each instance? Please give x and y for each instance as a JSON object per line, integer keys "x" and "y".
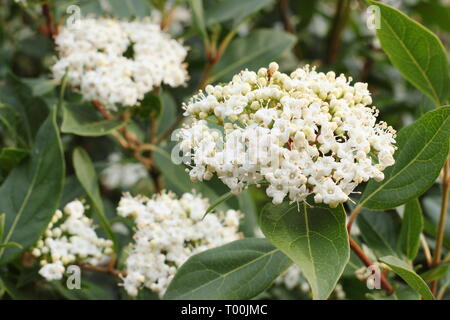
{"x": 314, "y": 238}
{"x": 412, "y": 226}
{"x": 436, "y": 273}
{"x": 246, "y": 205}
{"x": 11, "y": 157}
{"x": 233, "y": 9}
{"x": 379, "y": 230}
{"x": 83, "y": 121}
{"x": 415, "y": 51}
{"x": 198, "y": 17}
{"x": 256, "y": 50}
{"x": 85, "y": 172}
{"x": 239, "y": 270}
{"x": 422, "y": 150}
{"x": 150, "y": 106}
{"x": 19, "y": 97}
{"x": 31, "y": 193}
{"x": 405, "y": 272}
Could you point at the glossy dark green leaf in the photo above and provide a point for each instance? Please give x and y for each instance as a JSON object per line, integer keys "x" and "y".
{"x": 239, "y": 270}
{"x": 31, "y": 193}
{"x": 403, "y": 270}
{"x": 422, "y": 150}
{"x": 314, "y": 238}
{"x": 256, "y": 50}
{"x": 83, "y": 121}
{"x": 415, "y": 51}
{"x": 85, "y": 172}
{"x": 412, "y": 226}
{"x": 233, "y": 9}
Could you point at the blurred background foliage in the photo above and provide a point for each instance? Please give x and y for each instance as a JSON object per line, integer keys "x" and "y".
{"x": 328, "y": 34}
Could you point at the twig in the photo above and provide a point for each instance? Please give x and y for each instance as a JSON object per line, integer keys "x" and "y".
{"x": 339, "y": 22}
{"x": 48, "y": 19}
{"x": 442, "y": 220}
{"x": 114, "y": 272}
{"x": 284, "y": 11}
{"x": 352, "y": 218}
{"x": 426, "y": 250}
{"x": 365, "y": 259}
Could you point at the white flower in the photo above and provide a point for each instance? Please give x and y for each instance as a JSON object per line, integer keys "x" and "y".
{"x": 117, "y": 62}
{"x": 52, "y": 271}
{"x": 307, "y": 133}
{"x": 70, "y": 239}
{"x": 168, "y": 232}
{"x": 122, "y": 175}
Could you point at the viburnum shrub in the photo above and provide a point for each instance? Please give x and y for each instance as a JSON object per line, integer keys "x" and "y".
{"x": 224, "y": 150}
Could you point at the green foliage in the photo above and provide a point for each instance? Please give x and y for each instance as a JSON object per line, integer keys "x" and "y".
{"x": 25, "y": 193}
{"x": 85, "y": 172}
{"x": 409, "y": 275}
{"x": 82, "y": 121}
{"x": 314, "y": 238}
{"x": 239, "y": 270}
{"x": 422, "y": 150}
{"x": 411, "y": 230}
{"x": 415, "y": 51}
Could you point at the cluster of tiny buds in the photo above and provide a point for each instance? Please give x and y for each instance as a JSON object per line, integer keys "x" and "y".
{"x": 70, "y": 238}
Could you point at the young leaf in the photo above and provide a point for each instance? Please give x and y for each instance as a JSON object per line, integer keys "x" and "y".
{"x": 415, "y": 51}
{"x": 422, "y": 150}
{"x": 256, "y": 50}
{"x": 436, "y": 273}
{"x": 412, "y": 226}
{"x": 314, "y": 238}
{"x": 31, "y": 193}
{"x": 402, "y": 269}
{"x": 198, "y": 17}
{"x": 85, "y": 172}
{"x": 82, "y": 120}
{"x": 233, "y": 9}
{"x": 238, "y": 270}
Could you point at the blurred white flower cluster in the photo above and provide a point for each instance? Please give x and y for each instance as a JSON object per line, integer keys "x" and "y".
{"x": 70, "y": 238}
{"x": 168, "y": 232}
{"x": 180, "y": 17}
{"x": 122, "y": 175}
{"x": 303, "y": 133}
{"x": 117, "y": 62}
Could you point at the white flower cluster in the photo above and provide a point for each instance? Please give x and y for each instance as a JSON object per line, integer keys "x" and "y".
{"x": 303, "y": 133}
{"x": 122, "y": 175}
{"x": 117, "y": 62}
{"x": 168, "y": 232}
{"x": 70, "y": 239}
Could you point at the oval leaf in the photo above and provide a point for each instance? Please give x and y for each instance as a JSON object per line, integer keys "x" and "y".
{"x": 239, "y": 270}
{"x": 422, "y": 150}
{"x": 412, "y": 226}
{"x": 415, "y": 51}
{"x": 82, "y": 121}
{"x": 85, "y": 172}
{"x": 405, "y": 272}
{"x": 314, "y": 238}
{"x": 31, "y": 193}
{"x": 233, "y": 9}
